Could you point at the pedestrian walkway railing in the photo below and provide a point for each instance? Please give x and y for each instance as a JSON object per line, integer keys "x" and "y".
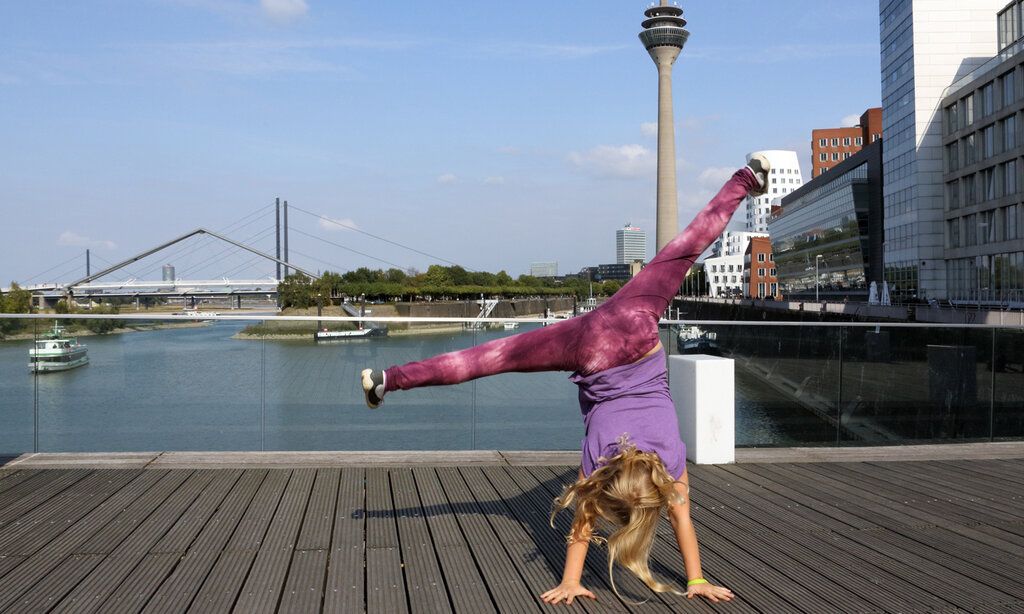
{"x": 205, "y": 381}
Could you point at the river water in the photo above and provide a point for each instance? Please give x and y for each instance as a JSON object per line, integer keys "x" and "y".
{"x": 201, "y": 389}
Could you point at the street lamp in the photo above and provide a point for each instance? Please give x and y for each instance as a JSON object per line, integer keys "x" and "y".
{"x": 817, "y": 278}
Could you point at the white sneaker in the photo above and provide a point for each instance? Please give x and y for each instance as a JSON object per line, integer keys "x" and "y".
{"x": 373, "y": 387}
{"x": 761, "y": 167}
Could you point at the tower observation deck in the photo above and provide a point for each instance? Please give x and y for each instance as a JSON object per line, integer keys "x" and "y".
{"x": 663, "y": 36}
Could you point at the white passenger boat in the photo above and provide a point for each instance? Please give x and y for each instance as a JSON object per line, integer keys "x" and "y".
{"x": 55, "y": 352}
{"x": 511, "y": 325}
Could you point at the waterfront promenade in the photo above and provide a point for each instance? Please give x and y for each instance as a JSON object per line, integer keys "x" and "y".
{"x": 941, "y": 530}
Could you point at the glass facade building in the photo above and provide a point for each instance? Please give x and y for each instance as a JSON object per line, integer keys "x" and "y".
{"x": 983, "y": 164}
{"x": 828, "y": 235}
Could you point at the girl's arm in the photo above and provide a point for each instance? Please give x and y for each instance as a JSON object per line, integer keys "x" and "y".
{"x": 575, "y": 556}
{"x": 686, "y": 537}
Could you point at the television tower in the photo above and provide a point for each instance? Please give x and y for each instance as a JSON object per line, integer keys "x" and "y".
{"x": 664, "y": 36}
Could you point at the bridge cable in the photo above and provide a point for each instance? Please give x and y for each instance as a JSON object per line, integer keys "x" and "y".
{"x": 52, "y": 268}
{"x": 398, "y": 266}
{"x": 229, "y": 251}
{"x": 207, "y": 240}
{"x": 361, "y": 231}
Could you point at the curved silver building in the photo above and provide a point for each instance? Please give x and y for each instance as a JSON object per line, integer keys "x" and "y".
{"x": 663, "y": 36}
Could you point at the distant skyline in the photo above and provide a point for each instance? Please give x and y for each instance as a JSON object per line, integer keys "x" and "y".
{"x": 490, "y": 137}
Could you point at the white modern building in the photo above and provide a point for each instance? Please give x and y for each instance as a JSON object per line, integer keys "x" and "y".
{"x": 926, "y": 45}
{"x": 544, "y": 269}
{"x": 734, "y": 243}
{"x": 784, "y": 178}
{"x": 725, "y": 275}
{"x": 630, "y": 245}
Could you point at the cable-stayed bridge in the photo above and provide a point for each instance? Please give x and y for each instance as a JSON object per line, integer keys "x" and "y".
{"x": 238, "y": 268}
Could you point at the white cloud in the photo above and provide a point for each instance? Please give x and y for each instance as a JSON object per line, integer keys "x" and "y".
{"x": 649, "y": 128}
{"x": 72, "y": 239}
{"x": 715, "y": 176}
{"x": 337, "y": 224}
{"x": 447, "y": 178}
{"x": 850, "y": 120}
{"x": 624, "y": 161}
{"x": 284, "y": 10}
{"x": 494, "y": 180}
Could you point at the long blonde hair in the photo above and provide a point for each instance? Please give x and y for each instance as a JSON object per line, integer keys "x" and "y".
{"x": 629, "y": 490}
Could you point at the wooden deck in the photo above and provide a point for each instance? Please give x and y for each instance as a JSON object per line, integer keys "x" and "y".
{"x": 908, "y": 536}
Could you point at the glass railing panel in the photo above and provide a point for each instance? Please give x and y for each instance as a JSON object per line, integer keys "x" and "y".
{"x": 526, "y": 411}
{"x": 17, "y": 386}
{"x": 152, "y": 386}
{"x": 916, "y": 384}
{"x": 314, "y": 400}
{"x": 786, "y": 378}
{"x": 1008, "y": 374}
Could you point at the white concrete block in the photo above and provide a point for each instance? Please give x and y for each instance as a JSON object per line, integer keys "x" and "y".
{"x": 703, "y": 388}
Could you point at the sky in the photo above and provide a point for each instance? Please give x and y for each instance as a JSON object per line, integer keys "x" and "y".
{"x": 491, "y": 135}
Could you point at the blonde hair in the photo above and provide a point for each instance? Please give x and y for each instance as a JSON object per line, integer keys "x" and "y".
{"x": 629, "y": 490}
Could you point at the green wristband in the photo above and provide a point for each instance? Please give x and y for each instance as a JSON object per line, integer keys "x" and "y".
{"x": 696, "y": 581}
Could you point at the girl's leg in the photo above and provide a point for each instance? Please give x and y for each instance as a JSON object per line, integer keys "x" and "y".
{"x": 627, "y": 324}
{"x": 552, "y": 348}
{"x": 619, "y": 332}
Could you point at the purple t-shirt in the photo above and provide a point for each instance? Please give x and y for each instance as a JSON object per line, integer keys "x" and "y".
{"x": 631, "y": 400}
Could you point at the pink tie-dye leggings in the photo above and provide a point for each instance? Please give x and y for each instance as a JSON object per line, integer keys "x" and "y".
{"x": 619, "y": 332}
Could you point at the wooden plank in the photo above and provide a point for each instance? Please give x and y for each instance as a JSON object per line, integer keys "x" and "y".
{"x": 522, "y": 551}
{"x": 507, "y": 588}
{"x": 554, "y": 483}
{"x": 319, "y": 519}
{"x": 424, "y": 580}
{"x": 47, "y": 592}
{"x": 35, "y": 529}
{"x": 345, "y": 589}
{"x": 111, "y": 535}
{"x": 178, "y": 538}
{"x": 910, "y": 496}
{"x": 35, "y": 567}
{"x": 797, "y": 506}
{"x": 467, "y": 588}
{"x": 27, "y": 501}
{"x": 385, "y": 582}
{"x": 90, "y": 594}
{"x": 241, "y": 514}
{"x": 14, "y": 477}
{"x": 262, "y": 590}
{"x": 304, "y": 589}
{"x": 892, "y": 517}
{"x": 34, "y": 480}
{"x": 131, "y": 596}
{"x": 927, "y": 481}
{"x": 527, "y": 505}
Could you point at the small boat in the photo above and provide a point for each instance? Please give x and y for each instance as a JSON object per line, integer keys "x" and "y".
{"x": 693, "y": 340}
{"x": 55, "y": 352}
{"x": 343, "y": 335}
{"x": 511, "y": 325}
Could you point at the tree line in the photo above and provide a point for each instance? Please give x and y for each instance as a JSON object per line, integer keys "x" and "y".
{"x": 437, "y": 282}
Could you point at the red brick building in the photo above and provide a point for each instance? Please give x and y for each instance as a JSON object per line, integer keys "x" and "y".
{"x": 759, "y": 275}
{"x": 830, "y": 146}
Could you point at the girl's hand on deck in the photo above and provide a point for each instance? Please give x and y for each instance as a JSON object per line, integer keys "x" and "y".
{"x": 567, "y": 591}
{"x": 709, "y": 592}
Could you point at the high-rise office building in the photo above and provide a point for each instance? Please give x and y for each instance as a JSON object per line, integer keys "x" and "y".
{"x": 784, "y": 178}
{"x": 663, "y": 36}
{"x": 630, "y": 245}
{"x": 830, "y": 146}
{"x": 926, "y": 45}
{"x": 544, "y": 269}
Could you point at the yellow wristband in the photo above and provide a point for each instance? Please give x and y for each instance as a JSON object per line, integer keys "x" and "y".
{"x": 696, "y": 581}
